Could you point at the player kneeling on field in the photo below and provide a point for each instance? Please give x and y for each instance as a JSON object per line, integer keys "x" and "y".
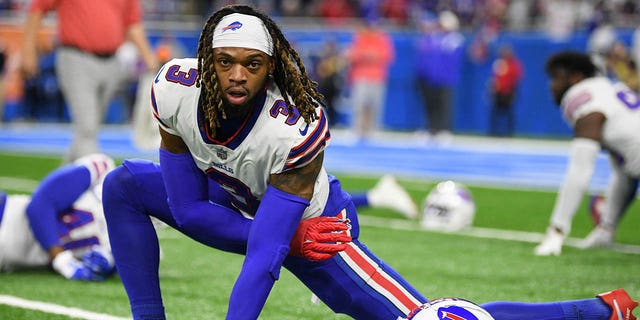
{"x": 603, "y": 115}
{"x": 61, "y": 225}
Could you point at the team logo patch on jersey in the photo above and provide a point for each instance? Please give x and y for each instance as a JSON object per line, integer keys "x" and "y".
{"x": 222, "y": 154}
{"x": 233, "y": 26}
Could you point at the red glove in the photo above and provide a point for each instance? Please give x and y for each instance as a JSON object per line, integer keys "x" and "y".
{"x": 320, "y": 238}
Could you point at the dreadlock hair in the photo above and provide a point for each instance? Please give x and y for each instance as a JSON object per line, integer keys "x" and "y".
{"x": 290, "y": 75}
{"x": 572, "y": 62}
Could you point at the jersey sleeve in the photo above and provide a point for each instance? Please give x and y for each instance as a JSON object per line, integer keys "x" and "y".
{"x": 588, "y": 98}
{"x": 168, "y": 89}
{"x": 310, "y": 141}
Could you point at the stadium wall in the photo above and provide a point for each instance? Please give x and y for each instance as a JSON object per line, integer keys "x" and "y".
{"x": 535, "y": 113}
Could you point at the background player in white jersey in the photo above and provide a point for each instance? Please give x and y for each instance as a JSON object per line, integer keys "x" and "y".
{"x": 61, "y": 225}
{"x": 245, "y": 116}
{"x": 604, "y": 116}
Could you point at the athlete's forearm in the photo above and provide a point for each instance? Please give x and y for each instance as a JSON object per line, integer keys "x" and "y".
{"x": 29, "y": 61}
{"x": 273, "y": 227}
{"x": 582, "y": 159}
{"x": 187, "y": 189}
{"x": 138, "y": 37}
{"x": 55, "y": 194}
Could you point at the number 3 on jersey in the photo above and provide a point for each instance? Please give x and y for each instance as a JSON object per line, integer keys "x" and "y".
{"x": 174, "y": 74}
{"x": 629, "y": 98}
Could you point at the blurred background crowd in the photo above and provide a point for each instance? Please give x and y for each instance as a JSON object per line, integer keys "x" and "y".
{"x": 509, "y": 14}
{"x": 451, "y": 66}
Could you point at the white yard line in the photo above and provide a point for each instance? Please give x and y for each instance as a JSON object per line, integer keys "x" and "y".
{"x": 56, "y": 309}
{"x": 511, "y": 235}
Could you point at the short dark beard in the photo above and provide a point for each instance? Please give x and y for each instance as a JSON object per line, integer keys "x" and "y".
{"x": 234, "y": 111}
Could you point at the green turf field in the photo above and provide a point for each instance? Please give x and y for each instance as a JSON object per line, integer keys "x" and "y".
{"x": 196, "y": 280}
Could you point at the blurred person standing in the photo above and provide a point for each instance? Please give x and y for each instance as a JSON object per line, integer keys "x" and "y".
{"x": 599, "y": 44}
{"x": 507, "y": 73}
{"x": 369, "y": 57}
{"x": 144, "y": 132}
{"x": 327, "y": 71}
{"x": 3, "y": 63}
{"x": 90, "y": 33}
{"x": 622, "y": 67}
{"x": 439, "y": 58}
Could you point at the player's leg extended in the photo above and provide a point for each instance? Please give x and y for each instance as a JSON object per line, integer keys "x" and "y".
{"x": 613, "y": 305}
{"x": 127, "y": 195}
{"x": 356, "y": 282}
{"x": 132, "y": 193}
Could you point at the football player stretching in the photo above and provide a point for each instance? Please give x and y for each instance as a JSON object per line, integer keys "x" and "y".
{"x": 246, "y": 115}
{"x": 604, "y": 116}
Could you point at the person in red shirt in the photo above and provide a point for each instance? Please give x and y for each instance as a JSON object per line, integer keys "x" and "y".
{"x": 507, "y": 73}
{"x": 369, "y": 56}
{"x": 89, "y": 34}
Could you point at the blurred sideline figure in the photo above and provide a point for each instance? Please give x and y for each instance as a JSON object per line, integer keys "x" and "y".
{"x": 369, "y": 57}
{"x": 61, "y": 225}
{"x": 507, "y": 73}
{"x": 622, "y": 67}
{"x": 145, "y": 134}
{"x": 90, "y": 33}
{"x": 603, "y": 115}
{"x": 439, "y": 59}
{"x": 3, "y": 62}
{"x": 328, "y": 72}
{"x": 599, "y": 45}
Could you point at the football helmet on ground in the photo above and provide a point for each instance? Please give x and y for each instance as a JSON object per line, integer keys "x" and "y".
{"x": 448, "y": 207}
{"x": 449, "y": 308}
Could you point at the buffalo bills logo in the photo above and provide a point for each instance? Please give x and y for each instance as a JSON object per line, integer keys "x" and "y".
{"x": 455, "y": 313}
{"x": 233, "y": 26}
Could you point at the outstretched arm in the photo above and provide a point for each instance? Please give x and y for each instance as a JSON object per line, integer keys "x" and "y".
{"x": 187, "y": 189}
{"x": 56, "y": 193}
{"x": 210, "y": 223}
{"x": 137, "y": 35}
{"x": 275, "y": 222}
{"x": 583, "y": 153}
{"x": 29, "y": 57}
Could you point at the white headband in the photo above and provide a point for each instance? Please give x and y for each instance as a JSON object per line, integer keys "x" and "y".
{"x": 242, "y": 31}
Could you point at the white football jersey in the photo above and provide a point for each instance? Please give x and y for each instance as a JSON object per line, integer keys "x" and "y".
{"x": 621, "y": 108}
{"x": 80, "y": 227}
{"x": 84, "y": 227}
{"x": 270, "y": 140}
